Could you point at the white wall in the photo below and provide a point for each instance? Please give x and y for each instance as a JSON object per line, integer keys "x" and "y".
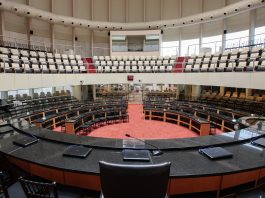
{"x": 254, "y": 80}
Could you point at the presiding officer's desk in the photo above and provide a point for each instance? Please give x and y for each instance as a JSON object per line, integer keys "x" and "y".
{"x": 190, "y": 171}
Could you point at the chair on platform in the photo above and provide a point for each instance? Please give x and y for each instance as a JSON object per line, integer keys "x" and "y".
{"x": 133, "y": 181}
{"x": 34, "y": 189}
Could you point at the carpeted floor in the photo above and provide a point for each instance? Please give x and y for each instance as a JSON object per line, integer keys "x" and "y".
{"x": 141, "y": 128}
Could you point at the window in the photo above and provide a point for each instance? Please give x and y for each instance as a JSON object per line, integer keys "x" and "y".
{"x": 170, "y": 48}
{"x": 45, "y": 90}
{"x": 189, "y": 47}
{"x": 20, "y": 92}
{"x": 213, "y": 42}
{"x": 237, "y": 39}
{"x": 259, "y": 35}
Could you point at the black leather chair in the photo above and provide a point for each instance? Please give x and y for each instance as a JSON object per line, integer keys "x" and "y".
{"x": 131, "y": 181}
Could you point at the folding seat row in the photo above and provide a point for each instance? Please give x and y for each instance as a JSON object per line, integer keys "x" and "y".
{"x": 132, "y": 58}
{"x": 123, "y": 69}
{"x": 135, "y": 63}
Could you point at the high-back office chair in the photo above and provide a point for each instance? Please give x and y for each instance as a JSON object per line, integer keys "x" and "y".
{"x": 38, "y": 189}
{"x": 131, "y": 181}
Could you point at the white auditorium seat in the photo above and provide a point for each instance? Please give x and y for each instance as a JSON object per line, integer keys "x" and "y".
{"x": 198, "y": 60}
{"x": 65, "y": 62}
{"x": 137, "y": 58}
{"x": 99, "y": 69}
{"x": 188, "y": 68}
{"x": 127, "y": 68}
{"x": 221, "y": 67}
{"x": 154, "y": 58}
{"x": 204, "y": 67}
{"x": 115, "y": 63}
{"x": 174, "y": 57}
{"x": 33, "y": 54}
{"x": 113, "y": 58}
{"x": 16, "y": 68}
{"x": 64, "y": 56}
{"x": 134, "y": 63}
{"x": 4, "y": 50}
{"x": 169, "y": 68}
{"x": 80, "y": 62}
{"x": 119, "y": 58}
{"x": 36, "y": 68}
{"x": 68, "y": 69}
{"x": 252, "y": 65}
{"x": 241, "y": 66}
{"x": 34, "y": 60}
{"x": 134, "y": 68}
{"x": 162, "y": 68}
{"x": 152, "y": 63}
{"x": 142, "y": 58}
{"x": 14, "y": 51}
{"x": 114, "y": 68}
{"x": 71, "y": 57}
{"x": 121, "y": 63}
{"x": 97, "y": 63}
{"x": 4, "y": 58}
{"x": 124, "y": 58}
{"x": 61, "y": 69}
{"x": 146, "y": 63}
{"x": 107, "y": 69}
{"x": 230, "y": 67}
{"x": 73, "y": 62}
{"x": 148, "y": 68}
{"x": 127, "y": 63}
{"x": 6, "y": 67}
{"x": 24, "y": 53}
{"x": 107, "y": 58}
{"x": 141, "y": 68}
{"x": 261, "y": 66}
{"x": 196, "y": 67}
{"x": 148, "y": 58}
{"x": 166, "y": 58}
{"x": 109, "y": 63}
{"x": 57, "y": 56}
{"x": 45, "y": 69}
{"x": 213, "y": 66}
{"x": 27, "y": 68}
{"x": 165, "y": 62}
{"x": 42, "y": 54}
{"x": 158, "y": 62}
{"x": 49, "y": 55}
{"x": 50, "y": 61}
{"x": 78, "y": 57}
{"x": 172, "y": 62}
{"x": 131, "y": 58}
{"x": 160, "y": 58}
{"x": 95, "y": 58}
{"x": 25, "y": 59}
{"x": 103, "y": 63}
{"x": 43, "y": 61}
{"x": 53, "y": 68}
{"x": 155, "y": 68}
{"x": 206, "y": 60}
{"x": 121, "y": 68}
{"x": 15, "y": 59}
{"x": 82, "y": 69}
{"x": 76, "y": 69}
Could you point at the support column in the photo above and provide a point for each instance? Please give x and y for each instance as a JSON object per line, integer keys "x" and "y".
{"x": 195, "y": 92}
{"x": 188, "y": 91}
{"x": 222, "y": 90}
{"x": 94, "y": 92}
{"x": 4, "y": 94}
{"x": 224, "y": 31}
{"x": 2, "y": 25}
{"x": 201, "y": 25}
{"x": 52, "y": 27}
{"x": 248, "y": 92}
{"x": 252, "y": 26}
{"x": 77, "y": 92}
{"x": 31, "y": 91}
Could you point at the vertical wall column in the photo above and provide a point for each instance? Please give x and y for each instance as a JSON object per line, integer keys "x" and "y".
{"x": 4, "y": 94}
{"x": 188, "y": 91}
{"x": 222, "y": 90}
{"x": 73, "y": 28}
{"x": 31, "y": 92}
{"x": 200, "y": 28}
{"x": 248, "y": 92}
{"x": 224, "y": 31}
{"x": 195, "y": 91}
{"x": 28, "y": 21}
{"x": 94, "y": 92}
{"x": 77, "y": 92}
{"x": 179, "y": 29}
{"x": 2, "y": 25}
{"x": 252, "y": 26}
{"x": 52, "y": 27}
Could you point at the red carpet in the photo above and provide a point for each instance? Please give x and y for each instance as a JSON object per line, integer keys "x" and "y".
{"x": 140, "y": 128}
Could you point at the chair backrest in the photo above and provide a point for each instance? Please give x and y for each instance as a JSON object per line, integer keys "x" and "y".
{"x": 130, "y": 181}
{"x": 35, "y": 189}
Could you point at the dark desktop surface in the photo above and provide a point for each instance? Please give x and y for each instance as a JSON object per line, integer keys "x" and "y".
{"x": 183, "y": 154}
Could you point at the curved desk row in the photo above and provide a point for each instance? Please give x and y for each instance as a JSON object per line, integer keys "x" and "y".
{"x": 190, "y": 171}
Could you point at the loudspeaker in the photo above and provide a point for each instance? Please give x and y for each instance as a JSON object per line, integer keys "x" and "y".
{"x": 108, "y": 33}
{"x": 162, "y": 31}
{"x": 31, "y": 32}
{"x": 225, "y": 31}
{"x": 75, "y": 38}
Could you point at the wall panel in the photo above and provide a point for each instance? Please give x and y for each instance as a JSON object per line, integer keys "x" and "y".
{"x": 40, "y": 28}
{"x": 63, "y": 7}
{"x": 117, "y": 10}
{"x": 212, "y": 4}
{"x": 135, "y": 9}
{"x": 191, "y": 7}
{"x": 82, "y": 9}
{"x": 101, "y": 10}
{"x": 260, "y": 17}
{"x": 171, "y": 9}
{"x": 212, "y": 28}
{"x": 238, "y": 22}
{"x": 152, "y": 10}
{"x": 15, "y": 23}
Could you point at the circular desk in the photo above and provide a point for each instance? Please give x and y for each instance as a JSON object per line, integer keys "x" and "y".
{"x": 190, "y": 171}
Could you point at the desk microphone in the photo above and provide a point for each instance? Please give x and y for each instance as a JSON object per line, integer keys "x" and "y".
{"x": 156, "y": 152}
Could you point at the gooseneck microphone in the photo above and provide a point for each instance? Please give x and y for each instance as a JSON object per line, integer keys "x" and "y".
{"x": 155, "y": 152}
